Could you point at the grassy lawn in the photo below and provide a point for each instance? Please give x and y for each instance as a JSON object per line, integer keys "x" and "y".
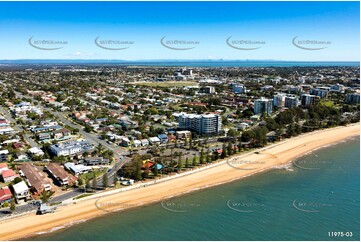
{"x": 327, "y": 103}
{"x": 165, "y": 84}
{"x": 55, "y": 203}
{"x": 90, "y": 175}
{"x": 3, "y": 184}
{"x": 83, "y": 195}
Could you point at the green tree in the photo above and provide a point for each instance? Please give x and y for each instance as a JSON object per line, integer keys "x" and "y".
{"x": 87, "y": 184}
{"x": 80, "y": 182}
{"x": 194, "y": 163}
{"x": 239, "y": 146}
{"x": 105, "y": 180}
{"x": 224, "y": 151}
{"x": 45, "y": 195}
{"x": 115, "y": 179}
{"x": 201, "y": 158}
{"x": 12, "y": 205}
{"x": 232, "y": 133}
{"x": 94, "y": 183}
{"x": 155, "y": 169}
{"x": 230, "y": 149}
{"x": 145, "y": 174}
{"x": 180, "y": 165}
{"x": 138, "y": 172}
{"x": 187, "y": 163}
{"x": 208, "y": 158}
{"x": 88, "y": 128}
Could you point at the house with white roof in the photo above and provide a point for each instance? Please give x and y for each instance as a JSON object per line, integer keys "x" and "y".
{"x": 154, "y": 140}
{"x": 77, "y": 169}
{"x": 21, "y": 190}
{"x": 144, "y": 142}
{"x": 36, "y": 151}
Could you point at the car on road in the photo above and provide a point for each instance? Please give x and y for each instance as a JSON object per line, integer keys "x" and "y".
{"x": 35, "y": 203}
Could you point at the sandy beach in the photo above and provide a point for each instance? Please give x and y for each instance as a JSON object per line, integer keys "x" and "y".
{"x": 228, "y": 170}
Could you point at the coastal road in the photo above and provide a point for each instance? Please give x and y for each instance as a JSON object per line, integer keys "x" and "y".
{"x": 5, "y": 212}
{"x": 74, "y": 193}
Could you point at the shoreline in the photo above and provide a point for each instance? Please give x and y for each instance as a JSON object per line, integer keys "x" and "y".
{"x": 275, "y": 155}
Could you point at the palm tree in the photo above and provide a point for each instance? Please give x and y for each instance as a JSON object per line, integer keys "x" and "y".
{"x": 94, "y": 183}
{"x": 155, "y": 169}
{"x": 87, "y": 184}
{"x": 201, "y": 158}
{"x": 105, "y": 180}
{"x": 194, "y": 164}
{"x": 180, "y": 162}
{"x": 12, "y": 205}
{"x": 115, "y": 179}
{"x": 187, "y": 163}
{"x": 100, "y": 148}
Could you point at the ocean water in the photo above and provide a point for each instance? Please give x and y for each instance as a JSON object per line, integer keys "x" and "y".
{"x": 318, "y": 195}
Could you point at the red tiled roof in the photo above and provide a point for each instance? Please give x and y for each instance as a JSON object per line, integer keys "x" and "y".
{"x": 18, "y": 145}
{"x": 8, "y": 173}
{"x": 3, "y": 165}
{"x": 148, "y": 164}
{"x": 5, "y": 194}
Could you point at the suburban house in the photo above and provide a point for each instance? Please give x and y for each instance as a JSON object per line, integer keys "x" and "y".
{"x": 185, "y": 134}
{"x": 144, "y": 142}
{"x": 21, "y": 156}
{"x": 21, "y": 190}
{"x": 36, "y": 178}
{"x": 3, "y": 167}
{"x": 137, "y": 143}
{"x": 44, "y": 136}
{"x": 8, "y": 175}
{"x": 125, "y": 142}
{"x": 94, "y": 161}
{"x": 77, "y": 169}
{"x": 5, "y": 195}
{"x": 4, "y": 155}
{"x": 61, "y": 133}
{"x": 35, "y": 151}
{"x": 60, "y": 175}
{"x": 163, "y": 138}
{"x": 154, "y": 140}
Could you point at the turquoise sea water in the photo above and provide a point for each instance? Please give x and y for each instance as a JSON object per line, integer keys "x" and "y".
{"x": 319, "y": 195}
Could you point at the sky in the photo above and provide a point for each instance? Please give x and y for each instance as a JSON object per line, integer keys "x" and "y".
{"x": 291, "y": 31}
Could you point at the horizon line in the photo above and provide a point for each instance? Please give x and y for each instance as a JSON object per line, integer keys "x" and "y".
{"x": 153, "y": 60}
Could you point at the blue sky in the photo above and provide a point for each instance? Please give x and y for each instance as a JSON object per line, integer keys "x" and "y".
{"x": 208, "y": 24}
